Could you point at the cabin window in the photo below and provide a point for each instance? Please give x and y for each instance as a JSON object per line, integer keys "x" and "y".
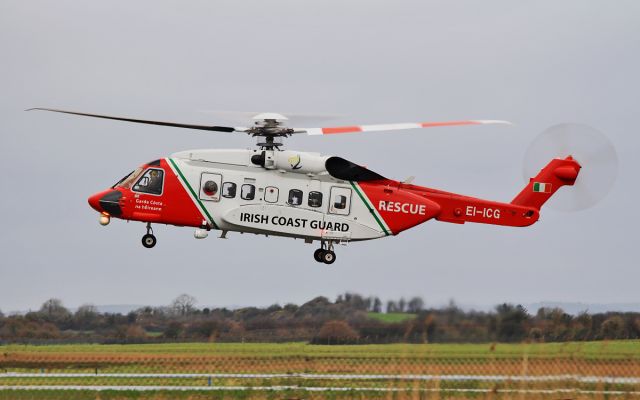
{"x": 315, "y": 199}
{"x": 229, "y": 190}
{"x": 340, "y": 200}
{"x": 210, "y": 188}
{"x": 151, "y": 182}
{"x": 210, "y": 184}
{"x": 271, "y": 194}
{"x": 295, "y": 197}
{"x": 248, "y": 192}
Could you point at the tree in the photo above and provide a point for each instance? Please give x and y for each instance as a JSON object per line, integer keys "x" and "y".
{"x": 291, "y": 308}
{"x": 135, "y": 332}
{"x": 511, "y": 322}
{"x": 336, "y": 332}
{"x": 53, "y": 311}
{"x": 85, "y": 316}
{"x": 377, "y": 305}
{"x": 613, "y": 328}
{"x": 391, "y": 307}
{"x": 401, "y": 304}
{"x": 536, "y": 334}
{"x": 183, "y": 304}
{"x": 415, "y": 305}
{"x": 173, "y": 331}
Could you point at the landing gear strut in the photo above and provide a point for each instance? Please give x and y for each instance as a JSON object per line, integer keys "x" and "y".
{"x": 325, "y": 253}
{"x": 149, "y": 240}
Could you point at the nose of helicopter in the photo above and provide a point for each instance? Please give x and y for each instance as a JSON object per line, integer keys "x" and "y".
{"x": 107, "y": 201}
{"x": 94, "y": 201}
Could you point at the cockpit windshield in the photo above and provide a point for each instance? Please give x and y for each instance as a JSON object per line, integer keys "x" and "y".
{"x": 128, "y": 180}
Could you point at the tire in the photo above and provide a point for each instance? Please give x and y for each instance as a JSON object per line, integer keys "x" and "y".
{"x": 318, "y": 255}
{"x": 149, "y": 240}
{"x": 329, "y": 257}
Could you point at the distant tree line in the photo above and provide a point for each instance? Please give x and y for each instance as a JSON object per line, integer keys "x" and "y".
{"x": 351, "y": 318}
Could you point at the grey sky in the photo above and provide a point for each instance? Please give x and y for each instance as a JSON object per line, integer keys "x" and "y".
{"x": 374, "y": 61}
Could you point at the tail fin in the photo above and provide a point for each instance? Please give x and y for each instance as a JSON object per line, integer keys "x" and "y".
{"x": 558, "y": 173}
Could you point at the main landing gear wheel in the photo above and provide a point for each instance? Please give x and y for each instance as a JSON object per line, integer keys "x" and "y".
{"x": 328, "y": 257}
{"x": 149, "y": 240}
{"x": 325, "y": 253}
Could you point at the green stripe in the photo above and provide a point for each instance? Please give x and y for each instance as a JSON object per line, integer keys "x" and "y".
{"x": 193, "y": 193}
{"x": 371, "y": 210}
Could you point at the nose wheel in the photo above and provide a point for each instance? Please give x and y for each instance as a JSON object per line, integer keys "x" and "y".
{"x": 325, "y": 253}
{"x": 149, "y": 240}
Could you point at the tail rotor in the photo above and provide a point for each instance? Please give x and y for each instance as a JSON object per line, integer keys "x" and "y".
{"x": 590, "y": 148}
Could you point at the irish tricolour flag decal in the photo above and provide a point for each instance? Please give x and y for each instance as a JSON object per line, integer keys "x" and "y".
{"x": 541, "y": 187}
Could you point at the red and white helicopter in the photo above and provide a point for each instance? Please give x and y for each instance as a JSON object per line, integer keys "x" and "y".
{"x": 328, "y": 199}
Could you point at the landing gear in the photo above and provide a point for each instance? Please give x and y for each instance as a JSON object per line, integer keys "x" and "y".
{"x": 325, "y": 253}
{"x": 329, "y": 257}
{"x": 149, "y": 240}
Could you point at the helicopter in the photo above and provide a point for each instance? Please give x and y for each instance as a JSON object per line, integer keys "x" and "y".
{"x": 272, "y": 191}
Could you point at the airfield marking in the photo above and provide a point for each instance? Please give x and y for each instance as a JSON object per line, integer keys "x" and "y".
{"x": 490, "y": 378}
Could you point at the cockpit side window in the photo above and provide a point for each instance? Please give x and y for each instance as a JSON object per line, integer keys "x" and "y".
{"x": 150, "y": 182}
{"x": 128, "y": 180}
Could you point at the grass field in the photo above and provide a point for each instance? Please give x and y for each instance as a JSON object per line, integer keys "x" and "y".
{"x": 619, "y": 349}
{"x": 585, "y": 368}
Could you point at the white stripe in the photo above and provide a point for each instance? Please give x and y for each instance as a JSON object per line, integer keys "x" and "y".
{"x": 313, "y": 131}
{"x": 491, "y": 121}
{"x": 492, "y": 378}
{"x": 375, "y": 210}
{"x": 399, "y": 126}
{"x": 186, "y": 189}
{"x": 389, "y": 127}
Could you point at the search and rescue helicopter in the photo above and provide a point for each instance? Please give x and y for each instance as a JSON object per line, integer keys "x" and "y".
{"x": 272, "y": 191}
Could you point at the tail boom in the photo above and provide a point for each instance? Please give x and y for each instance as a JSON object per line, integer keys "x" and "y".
{"x": 463, "y": 209}
{"x": 458, "y": 209}
{"x": 389, "y": 197}
{"x": 524, "y": 210}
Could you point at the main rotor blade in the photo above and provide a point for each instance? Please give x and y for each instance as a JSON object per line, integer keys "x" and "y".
{"x": 393, "y": 127}
{"x": 144, "y": 121}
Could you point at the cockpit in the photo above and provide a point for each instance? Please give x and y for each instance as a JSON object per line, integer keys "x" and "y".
{"x": 143, "y": 180}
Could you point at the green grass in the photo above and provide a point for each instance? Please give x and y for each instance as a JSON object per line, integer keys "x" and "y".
{"x": 196, "y": 395}
{"x": 597, "y": 350}
{"x": 616, "y": 358}
{"x": 391, "y": 317}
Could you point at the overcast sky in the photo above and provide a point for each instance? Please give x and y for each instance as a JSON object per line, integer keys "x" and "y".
{"x": 372, "y": 61}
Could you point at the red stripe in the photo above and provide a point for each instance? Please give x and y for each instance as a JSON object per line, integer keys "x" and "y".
{"x": 341, "y": 129}
{"x": 450, "y": 123}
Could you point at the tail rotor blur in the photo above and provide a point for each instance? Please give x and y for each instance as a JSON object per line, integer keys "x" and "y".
{"x": 590, "y": 148}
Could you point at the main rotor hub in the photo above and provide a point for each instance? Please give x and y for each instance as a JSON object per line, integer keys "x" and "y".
{"x": 269, "y": 126}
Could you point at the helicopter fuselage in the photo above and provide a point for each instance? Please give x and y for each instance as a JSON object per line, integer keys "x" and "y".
{"x": 300, "y": 195}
